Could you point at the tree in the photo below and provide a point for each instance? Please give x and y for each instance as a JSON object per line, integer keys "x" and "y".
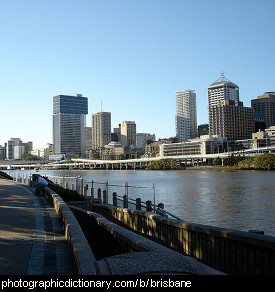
{"x": 217, "y": 161}
{"x": 265, "y": 161}
{"x": 164, "y": 164}
{"x": 28, "y": 156}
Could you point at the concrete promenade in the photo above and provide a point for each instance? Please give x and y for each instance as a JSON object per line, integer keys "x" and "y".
{"x": 32, "y": 240}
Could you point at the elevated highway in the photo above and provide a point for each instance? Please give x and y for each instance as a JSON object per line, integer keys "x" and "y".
{"x": 138, "y": 163}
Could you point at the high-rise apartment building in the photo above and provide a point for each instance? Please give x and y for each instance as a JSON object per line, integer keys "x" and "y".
{"x": 222, "y": 90}
{"x": 186, "y": 115}
{"x": 69, "y": 121}
{"x": 101, "y": 129}
{"x": 128, "y": 133}
{"x": 231, "y": 120}
{"x": 265, "y": 105}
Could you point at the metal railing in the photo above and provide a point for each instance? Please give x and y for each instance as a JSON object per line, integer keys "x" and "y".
{"x": 108, "y": 197}
{"x": 109, "y": 194}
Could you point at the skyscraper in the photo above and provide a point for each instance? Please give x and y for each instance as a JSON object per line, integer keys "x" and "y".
{"x": 186, "y": 115}
{"x": 232, "y": 120}
{"x": 227, "y": 115}
{"x": 265, "y": 105}
{"x": 101, "y": 129}
{"x": 69, "y": 121}
{"x": 222, "y": 90}
{"x": 128, "y": 133}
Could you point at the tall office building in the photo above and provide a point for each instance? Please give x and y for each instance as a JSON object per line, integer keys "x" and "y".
{"x": 265, "y": 105}
{"x": 128, "y": 133}
{"x": 101, "y": 129}
{"x": 13, "y": 148}
{"x": 186, "y": 115}
{"x": 231, "y": 120}
{"x": 227, "y": 115}
{"x": 222, "y": 90}
{"x": 69, "y": 121}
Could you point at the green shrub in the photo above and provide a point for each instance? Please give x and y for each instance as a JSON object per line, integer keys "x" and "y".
{"x": 67, "y": 195}
{"x": 265, "y": 161}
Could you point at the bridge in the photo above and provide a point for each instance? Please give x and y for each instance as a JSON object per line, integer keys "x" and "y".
{"x": 137, "y": 163}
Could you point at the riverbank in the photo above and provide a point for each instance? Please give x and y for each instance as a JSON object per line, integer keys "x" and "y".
{"x": 212, "y": 168}
{"x": 223, "y": 168}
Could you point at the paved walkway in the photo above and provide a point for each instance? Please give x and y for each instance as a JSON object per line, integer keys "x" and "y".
{"x": 32, "y": 240}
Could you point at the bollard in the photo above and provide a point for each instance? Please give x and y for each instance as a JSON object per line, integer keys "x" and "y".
{"x": 115, "y": 199}
{"x": 138, "y": 203}
{"x": 149, "y": 206}
{"x": 85, "y": 190}
{"x": 99, "y": 193}
{"x": 159, "y": 210}
{"x": 105, "y": 197}
{"x": 92, "y": 193}
{"x": 125, "y": 201}
{"x": 161, "y": 205}
{"x": 80, "y": 185}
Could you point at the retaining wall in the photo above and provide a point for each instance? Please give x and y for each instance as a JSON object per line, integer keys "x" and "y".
{"x": 230, "y": 251}
{"x": 83, "y": 255}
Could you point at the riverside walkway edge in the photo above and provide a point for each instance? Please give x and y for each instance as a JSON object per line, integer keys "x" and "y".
{"x": 32, "y": 239}
{"x": 84, "y": 257}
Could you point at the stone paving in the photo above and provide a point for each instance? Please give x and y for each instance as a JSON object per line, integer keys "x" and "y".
{"x": 32, "y": 240}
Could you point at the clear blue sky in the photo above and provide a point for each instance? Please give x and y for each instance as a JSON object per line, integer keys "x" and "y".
{"x": 131, "y": 54}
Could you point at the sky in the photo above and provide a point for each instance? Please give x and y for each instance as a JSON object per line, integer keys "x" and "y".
{"x": 131, "y": 55}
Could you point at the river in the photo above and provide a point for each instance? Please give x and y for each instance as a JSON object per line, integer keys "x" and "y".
{"x": 241, "y": 200}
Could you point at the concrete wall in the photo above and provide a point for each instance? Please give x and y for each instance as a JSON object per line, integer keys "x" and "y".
{"x": 83, "y": 255}
{"x": 229, "y": 251}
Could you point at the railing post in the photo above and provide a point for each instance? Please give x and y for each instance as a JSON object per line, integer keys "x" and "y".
{"x": 125, "y": 201}
{"x": 115, "y": 199}
{"x": 158, "y": 211}
{"x": 85, "y": 189}
{"x": 149, "y": 206}
{"x": 125, "y": 197}
{"x": 107, "y": 191}
{"x": 92, "y": 190}
{"x": 81, "y": 185}
{"x": 105, "y": 197}
{"x": 76, "y": 184}
{"x": 138, "y": 203}
{"x": 99, "y": 193}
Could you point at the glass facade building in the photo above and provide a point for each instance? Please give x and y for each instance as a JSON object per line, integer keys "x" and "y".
{"x": 69, "y": 121}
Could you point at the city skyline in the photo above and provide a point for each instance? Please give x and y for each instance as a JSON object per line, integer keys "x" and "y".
{"x": 131, "y": 55}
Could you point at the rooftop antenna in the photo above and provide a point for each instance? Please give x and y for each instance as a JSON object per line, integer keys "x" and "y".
{"x": 222, "y": 76}
{"x": 101, "y": 105}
